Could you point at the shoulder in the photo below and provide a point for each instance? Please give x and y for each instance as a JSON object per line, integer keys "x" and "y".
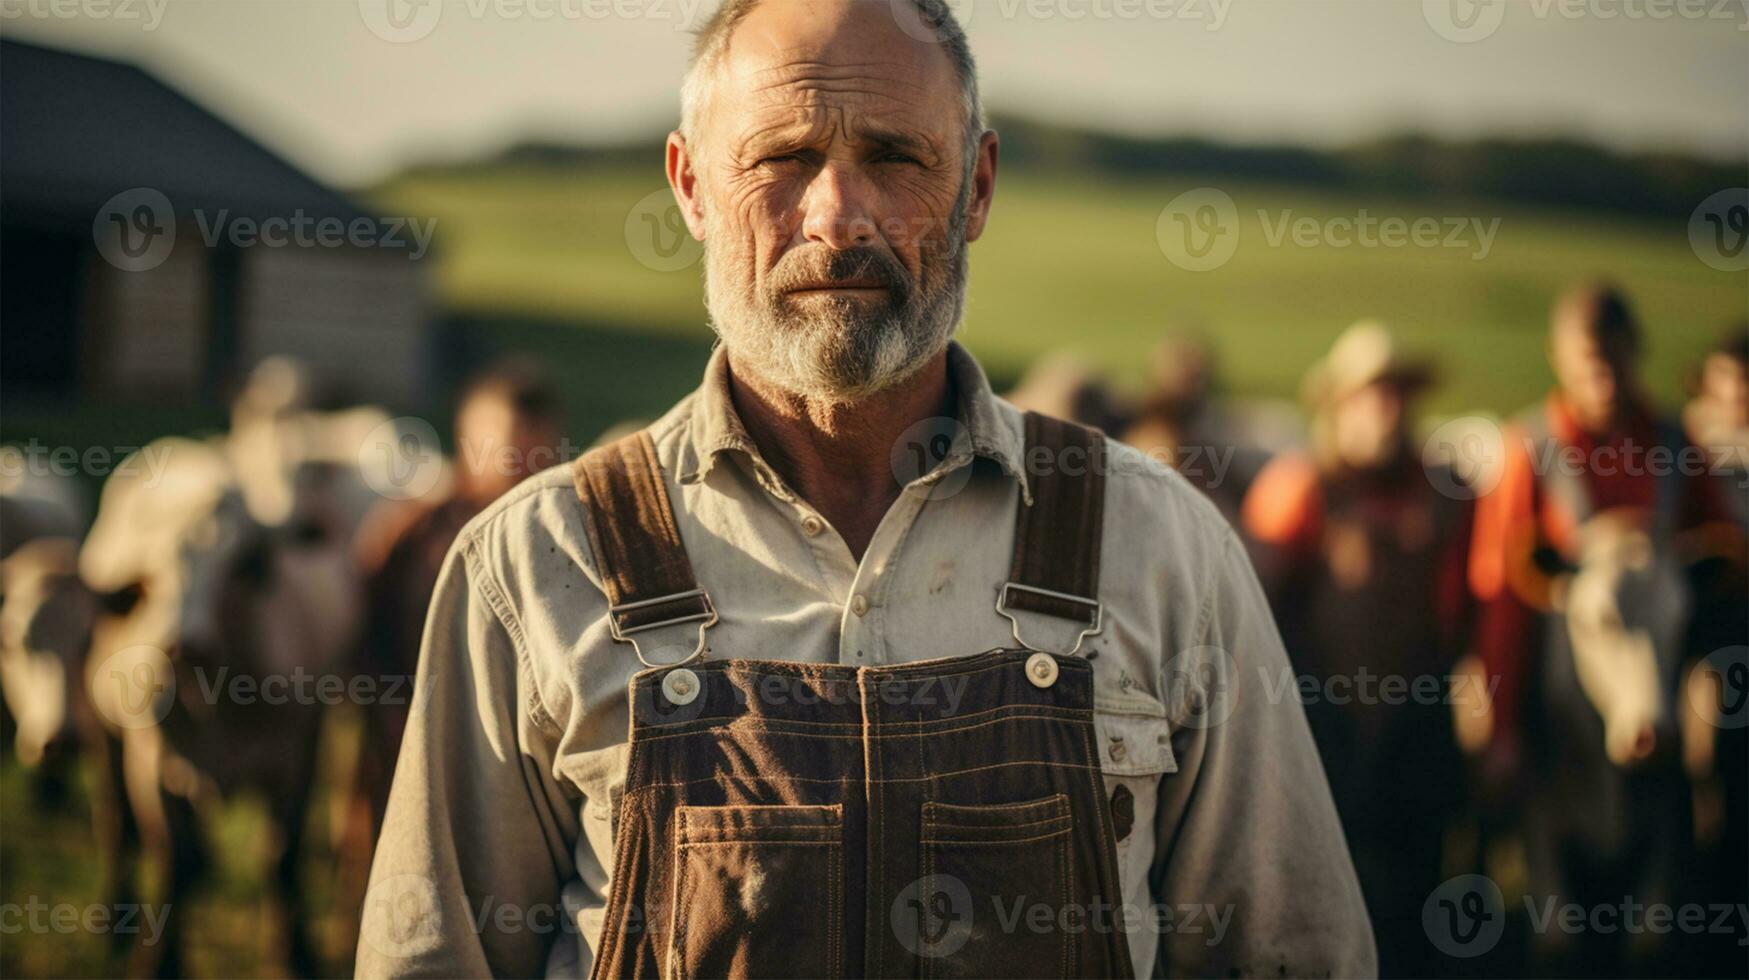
{"x": 1162, "y": 519}
{"x": 530, "y": 534}
{"x": 1286, "y": 498}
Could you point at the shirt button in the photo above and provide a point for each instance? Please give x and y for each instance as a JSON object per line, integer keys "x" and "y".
{"x": 812, "y": 525}
{"x": 859, "y": 604}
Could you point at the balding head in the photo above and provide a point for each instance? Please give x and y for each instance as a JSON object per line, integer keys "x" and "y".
{"x": 928, "y": 24}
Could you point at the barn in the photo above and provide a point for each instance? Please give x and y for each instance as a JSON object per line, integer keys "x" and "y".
{"x": 151, "y": 252}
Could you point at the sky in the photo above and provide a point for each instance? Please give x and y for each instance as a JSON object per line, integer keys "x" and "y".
{"x": 355, "y": 89}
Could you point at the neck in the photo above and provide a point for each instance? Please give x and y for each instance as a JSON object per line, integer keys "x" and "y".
{"x": 838, "y": 455}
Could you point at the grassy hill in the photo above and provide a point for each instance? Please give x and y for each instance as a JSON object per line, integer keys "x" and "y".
{"x": 1077, "y": 264}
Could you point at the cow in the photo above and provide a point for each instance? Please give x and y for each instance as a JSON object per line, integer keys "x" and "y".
{"x": 199, "y": 679}
{"x": 1608, "y": 809}
{"x": 45, "y": 628}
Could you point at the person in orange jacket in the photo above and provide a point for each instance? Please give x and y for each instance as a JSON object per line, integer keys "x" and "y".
{"x": 1361, "y": 545}
{"x": 1594, "y": 444}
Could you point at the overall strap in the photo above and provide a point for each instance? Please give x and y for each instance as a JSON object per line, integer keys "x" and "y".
{"x": 636, "y": 542}
{"x": 1055, "y": 571}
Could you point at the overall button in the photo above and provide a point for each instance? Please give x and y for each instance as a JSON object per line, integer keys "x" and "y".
{"x": 859, "y": 604}
{"x": 680, "y": 685}
{"x": 812, "y": 526}
{"x": 1041, "y": 669}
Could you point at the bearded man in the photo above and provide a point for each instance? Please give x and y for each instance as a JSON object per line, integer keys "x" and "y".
{"x": 845, "y": 667}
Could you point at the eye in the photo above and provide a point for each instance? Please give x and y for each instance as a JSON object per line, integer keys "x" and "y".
{"x": 894, "y": 156}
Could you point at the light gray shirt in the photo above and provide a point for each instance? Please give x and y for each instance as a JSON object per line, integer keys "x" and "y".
{"x": 497, "y": 850}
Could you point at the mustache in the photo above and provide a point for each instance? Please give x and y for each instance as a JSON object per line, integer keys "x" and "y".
{"x": 817, "y": 265}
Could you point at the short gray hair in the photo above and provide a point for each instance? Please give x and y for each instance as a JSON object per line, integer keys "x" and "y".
{"x": 933, "y": 16}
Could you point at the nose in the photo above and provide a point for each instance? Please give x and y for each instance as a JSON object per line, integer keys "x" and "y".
{"x": 1645, "y": 742}
{"x": 836, "y": 211}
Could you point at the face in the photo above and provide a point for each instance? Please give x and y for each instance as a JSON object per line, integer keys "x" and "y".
{"x": 500, "y": 446}
{"x": 1592, "y": 379}
{"x": 1368, "y": 426}
{"x": 828, "y": 178}
{"x": 1625, "y": 609}
{"x": 1725, "y": 383}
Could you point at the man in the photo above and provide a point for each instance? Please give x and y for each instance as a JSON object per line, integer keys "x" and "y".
{"x": 1364, "y": 548}
{"x": 509, "y": 424}
{"x": 1595, "y": 444}
{"x": 824, "y": 776}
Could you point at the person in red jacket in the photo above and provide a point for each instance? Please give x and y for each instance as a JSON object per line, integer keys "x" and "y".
{"x": 1594, "y": 444}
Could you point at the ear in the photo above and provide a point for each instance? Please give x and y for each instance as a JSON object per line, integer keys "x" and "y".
{"x": 983, "y": 185}
{"x": 683, "y": 179}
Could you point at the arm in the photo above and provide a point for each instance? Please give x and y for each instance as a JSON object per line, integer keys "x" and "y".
{"x": 1246, "y": 825}
{"x": 478, "y": 835}
{"x": 1284, "y": 513}
{"x": 1505, "y": 582}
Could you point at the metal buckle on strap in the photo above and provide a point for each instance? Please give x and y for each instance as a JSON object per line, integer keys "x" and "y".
{"x": 1098, "y": 613}
{"x": 709, "y": 617}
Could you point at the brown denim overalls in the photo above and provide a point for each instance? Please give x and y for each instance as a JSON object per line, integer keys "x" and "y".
{"x": 786, "y": 819}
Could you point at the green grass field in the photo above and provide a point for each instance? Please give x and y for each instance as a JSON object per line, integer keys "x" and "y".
{"x": 1077, "y": 265}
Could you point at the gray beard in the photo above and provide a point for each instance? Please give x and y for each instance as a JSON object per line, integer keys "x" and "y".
{"x": 836, "y": 349}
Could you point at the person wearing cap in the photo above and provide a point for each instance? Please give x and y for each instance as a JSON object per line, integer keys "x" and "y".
{"x": 1363, "y": 550}
{"x": 1594, "y": 444}
{"x": 844, "y": 666}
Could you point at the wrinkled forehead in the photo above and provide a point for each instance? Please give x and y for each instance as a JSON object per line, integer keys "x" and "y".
{"x": 801, "y": 61}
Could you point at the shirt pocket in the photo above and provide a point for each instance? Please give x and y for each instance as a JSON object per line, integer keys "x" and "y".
{"x": 1135, "y": 754}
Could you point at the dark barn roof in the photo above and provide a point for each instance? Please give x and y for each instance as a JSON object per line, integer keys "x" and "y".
{"x": 76, "y": 130}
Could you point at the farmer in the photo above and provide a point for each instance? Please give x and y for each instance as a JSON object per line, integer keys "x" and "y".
{"x": 1364, "y": 547}
{"x": 911, "y": 682}
{"x": 1595, "y": 444}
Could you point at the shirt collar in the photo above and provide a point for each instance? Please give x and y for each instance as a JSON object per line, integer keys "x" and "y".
{"x": 987, "y": 427}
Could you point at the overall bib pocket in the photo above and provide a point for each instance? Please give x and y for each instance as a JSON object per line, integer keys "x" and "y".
{"x": 757, "y": 892}
{"x": 998, "y": 879}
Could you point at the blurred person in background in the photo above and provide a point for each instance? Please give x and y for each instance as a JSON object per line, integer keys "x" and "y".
{"x": 1063, "y": 385}
{"x": 1181, "y": 422}
{"x": 1363, "y": 557}
{"x": 1588, "y": 448}
{"x": 1716, "y": 419}
{"x": 509, "y": 424}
